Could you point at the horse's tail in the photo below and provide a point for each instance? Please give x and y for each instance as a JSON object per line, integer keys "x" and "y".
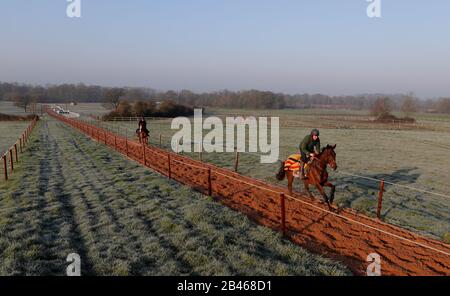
{"x": 281, "y": 172}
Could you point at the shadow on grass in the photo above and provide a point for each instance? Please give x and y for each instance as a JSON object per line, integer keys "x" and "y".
{"x": 364, "y": 188}
{"x": 410, "y": 209}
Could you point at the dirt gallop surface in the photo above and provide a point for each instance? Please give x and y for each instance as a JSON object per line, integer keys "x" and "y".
{"x": 342, "y": 235}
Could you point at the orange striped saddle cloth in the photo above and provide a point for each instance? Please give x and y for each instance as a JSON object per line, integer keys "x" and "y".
{"x": 293, "y": 163}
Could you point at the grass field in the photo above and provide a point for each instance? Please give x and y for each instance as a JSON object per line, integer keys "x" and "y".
{"x": 71, "y": 194}
{"x": 10, "y": 132}
{"x": 7, "y": 107}
{"x": 95, "y": 109}
{"x": 417, "y": 157}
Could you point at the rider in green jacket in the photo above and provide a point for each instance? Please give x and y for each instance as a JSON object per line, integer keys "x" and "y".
{"x": 309, "y": 147}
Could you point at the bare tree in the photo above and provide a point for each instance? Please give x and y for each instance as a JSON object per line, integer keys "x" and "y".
{"x": 443, "y": 105}
{"x": 112, "y": 98}
{"x": 22, "y": 101}
{"x": 382, "y": 107}
{"x": 139, "y": 108}
{"x": 409, "y": 104}
{"x": 125, "y": 109}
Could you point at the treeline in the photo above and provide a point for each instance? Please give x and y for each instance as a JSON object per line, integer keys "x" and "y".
{"x": 167, "y": 108}
{"x": 66, "y": 93}
{"x": 9, "y": 117}
{"x": 248, "y": 99}
{"x": 440, "y": 106}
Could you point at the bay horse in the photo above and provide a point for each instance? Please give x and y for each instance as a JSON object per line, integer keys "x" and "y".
{"x": 316, "y": 175}
{"x": 142, "y": 136}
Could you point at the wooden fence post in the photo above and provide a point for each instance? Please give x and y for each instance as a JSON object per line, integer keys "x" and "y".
{"x": 160, "y": 140}
{"x": 5, "y": 167}
{"x": 20, "y": 139}
{"x": 209, "y": 183}
{"x": 380, "y": 199}
{"x": 283, "y": 214}
{"x": 115, "y": 142}
{"x": 11, "y": 159}
{"x": 236, "y": 161}
{"x": 143, "y": 154}
{"x": 15, "y": 150}
{"x": 170, "y": 172}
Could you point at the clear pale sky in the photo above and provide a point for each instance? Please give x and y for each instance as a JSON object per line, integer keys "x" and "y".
{"x": 292, "y": 46}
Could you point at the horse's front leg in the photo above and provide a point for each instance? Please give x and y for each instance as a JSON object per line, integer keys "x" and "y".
{"x": 322, "y": 191}
{"x": 306, "y": 185}
{"x": 333, "y": 189}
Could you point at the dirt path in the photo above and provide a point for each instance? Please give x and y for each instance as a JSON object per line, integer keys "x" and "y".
{"x": 345, "y": 236}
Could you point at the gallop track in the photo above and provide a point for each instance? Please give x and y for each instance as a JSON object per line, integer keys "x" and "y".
{"x": 342, "y": 235}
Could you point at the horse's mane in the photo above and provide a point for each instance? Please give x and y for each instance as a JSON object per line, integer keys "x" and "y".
{"x": 327, "y": 147}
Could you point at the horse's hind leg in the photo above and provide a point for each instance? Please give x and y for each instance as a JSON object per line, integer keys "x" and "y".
{"x": 290, "y": 177}
{"x": 333, "y": 189}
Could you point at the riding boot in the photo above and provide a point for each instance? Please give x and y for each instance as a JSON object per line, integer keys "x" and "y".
{"x": 303, "y": 173}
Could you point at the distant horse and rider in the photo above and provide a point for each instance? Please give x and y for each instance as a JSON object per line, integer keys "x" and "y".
{"x": 311, "y": 166}
{"x": 142, "y": 132}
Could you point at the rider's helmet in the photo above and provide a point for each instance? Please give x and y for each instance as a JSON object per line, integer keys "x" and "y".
{"x": 315, "y": 132}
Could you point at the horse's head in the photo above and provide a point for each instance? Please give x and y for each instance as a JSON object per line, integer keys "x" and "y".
{"x": 328, "y": 155}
